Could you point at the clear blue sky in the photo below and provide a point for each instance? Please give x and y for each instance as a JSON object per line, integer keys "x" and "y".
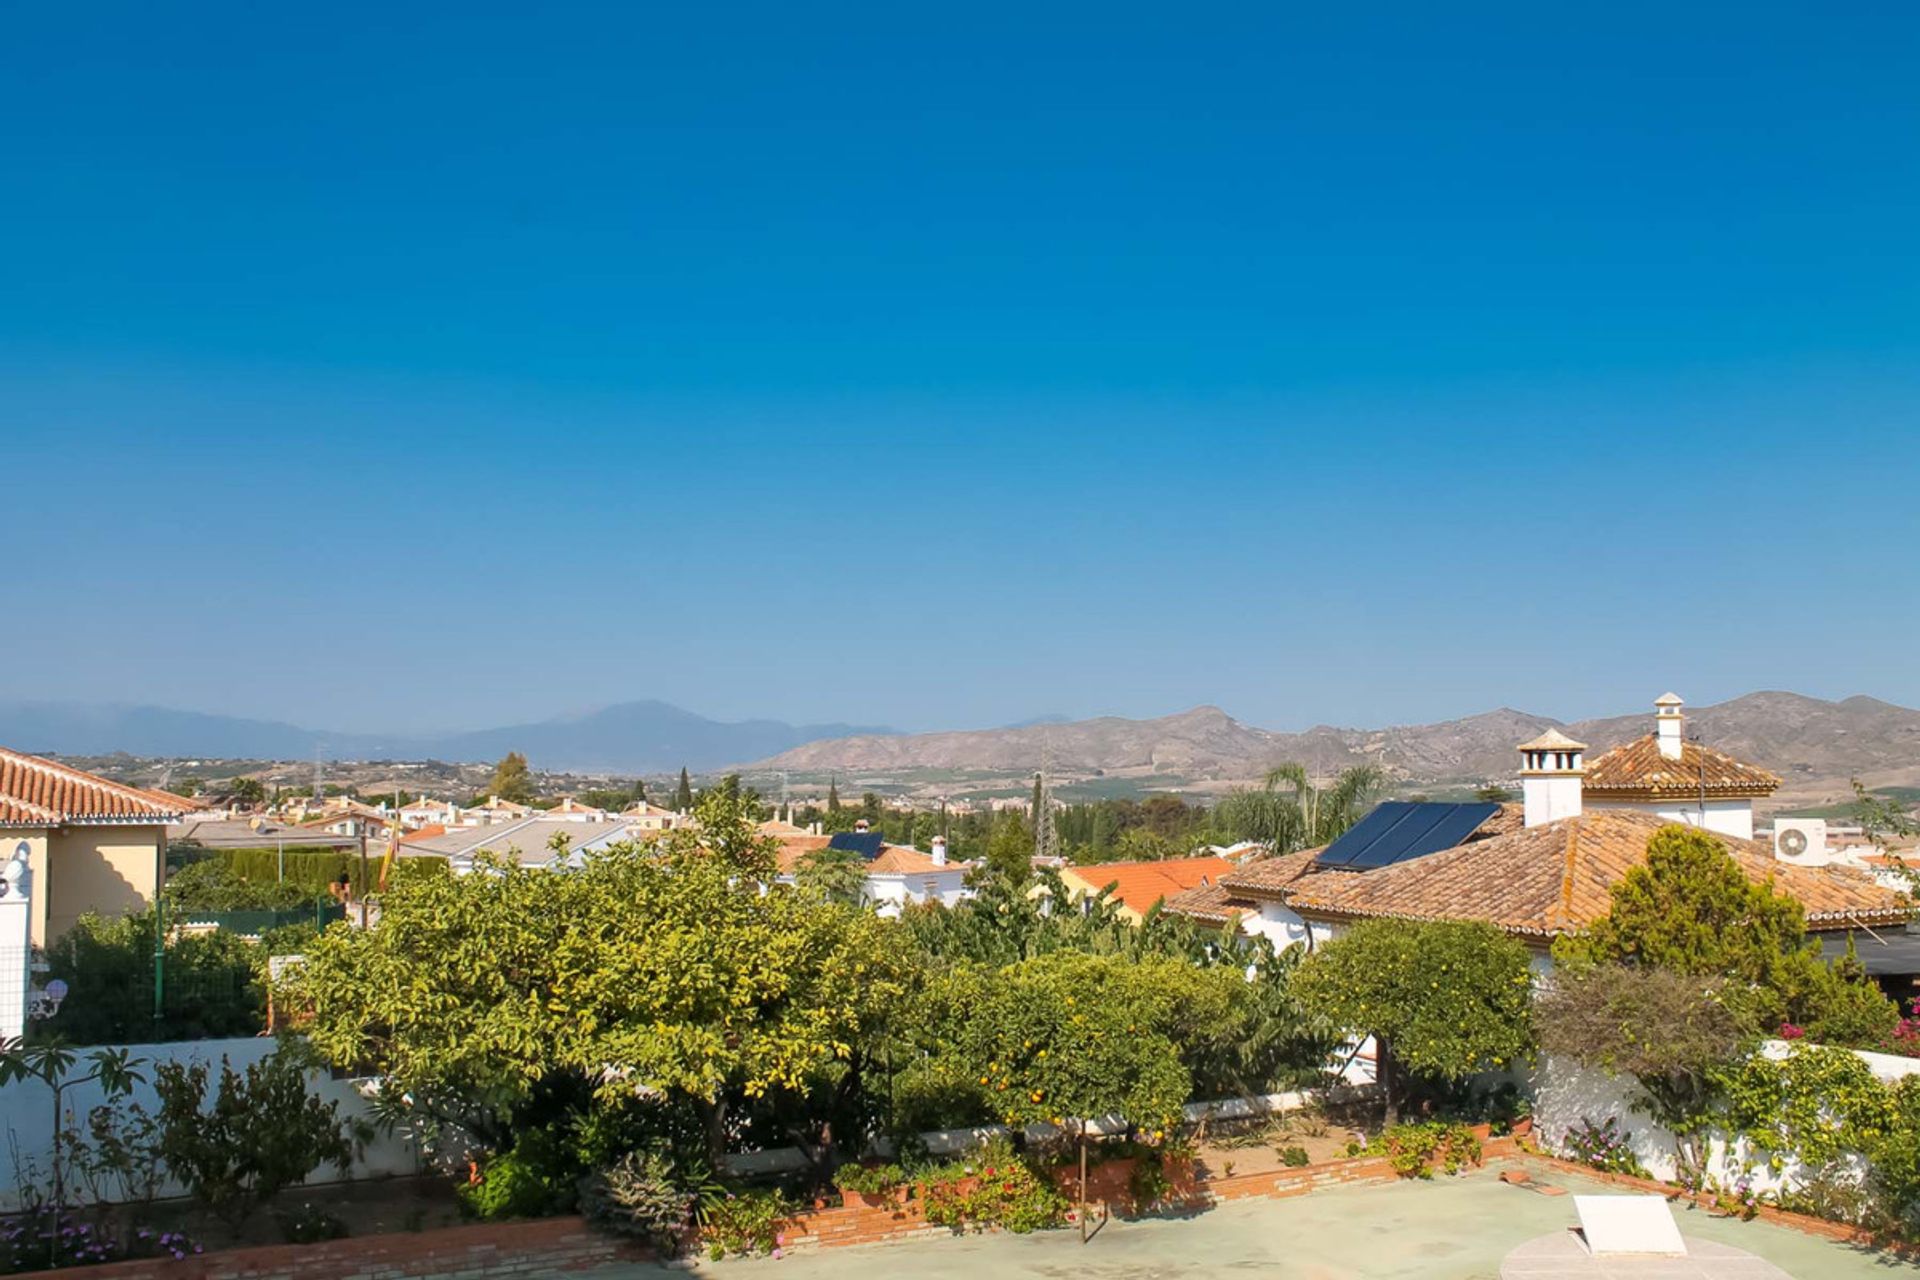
{"x": 377, "y": 369}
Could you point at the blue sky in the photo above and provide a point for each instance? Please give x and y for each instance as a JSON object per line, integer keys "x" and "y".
{"x": 399, "y": 370}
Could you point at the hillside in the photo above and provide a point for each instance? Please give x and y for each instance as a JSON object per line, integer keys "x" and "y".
{"x": 1811, "y": 742}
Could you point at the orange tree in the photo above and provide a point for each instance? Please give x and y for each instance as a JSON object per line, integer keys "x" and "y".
{"x": 1070, "y": 1039}
{"x": 515, "y": 1000}
{"x": 1442, "y": 1000}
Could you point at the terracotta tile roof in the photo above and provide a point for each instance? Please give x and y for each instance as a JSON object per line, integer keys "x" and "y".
{"x": 1636, "y": 770}
{"x": 1269, "y": 877}
{"x": 1138, "y": 885}
{"x": 1209, "y": 904}
{"x": 39, "y": 793}
{"x": 900, "y": 859}
{"x": 893, "y": 859}
{"x": 1555, "y": 878}
{"x": 794, "y": 849}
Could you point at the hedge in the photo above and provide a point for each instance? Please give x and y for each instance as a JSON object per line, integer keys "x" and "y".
{"x": 319, "y": 869}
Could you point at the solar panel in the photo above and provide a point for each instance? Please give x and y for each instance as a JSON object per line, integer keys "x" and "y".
{"x": 865, "y": 843}
{"x": 1398, "y": 830}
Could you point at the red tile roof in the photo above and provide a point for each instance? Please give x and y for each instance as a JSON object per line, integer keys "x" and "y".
{"x": 1139, "y": 885}
{"x": 1209, "y": 904}
{"x": 44, "y": 793}
{"x": 1637, "y": 771}
{"x": 1557, "y": 878}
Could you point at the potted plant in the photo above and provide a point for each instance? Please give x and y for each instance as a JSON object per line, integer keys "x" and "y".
{"x": 873, "y": 1185}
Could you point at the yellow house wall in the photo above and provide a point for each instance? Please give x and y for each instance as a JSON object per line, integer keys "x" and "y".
{"x": 111, "y": 870}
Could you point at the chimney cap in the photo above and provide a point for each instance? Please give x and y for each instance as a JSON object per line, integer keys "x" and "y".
{"x": 1552, "y": 740}
{"x": 1669, "y": 700}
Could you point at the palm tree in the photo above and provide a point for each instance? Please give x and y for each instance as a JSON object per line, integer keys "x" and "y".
{"x": 1289, "y": 812}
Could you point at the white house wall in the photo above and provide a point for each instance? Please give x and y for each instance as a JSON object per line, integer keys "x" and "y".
{"x": 1727, "y": 817}
{"x": 26, "y": 1109}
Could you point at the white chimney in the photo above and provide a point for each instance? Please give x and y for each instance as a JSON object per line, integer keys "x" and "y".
{"x": 939, "y": 851}
{"x": 1669, "y": 725}
{"x": 1552, "y": 768}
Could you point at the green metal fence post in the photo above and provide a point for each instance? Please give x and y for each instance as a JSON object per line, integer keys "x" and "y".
{"x": 159, "y": 959}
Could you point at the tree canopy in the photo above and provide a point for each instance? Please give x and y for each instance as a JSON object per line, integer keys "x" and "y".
{"x": 1689, "y": 908}
{"x": 1444, "y": 1000}
{"x": 512, "y": 781}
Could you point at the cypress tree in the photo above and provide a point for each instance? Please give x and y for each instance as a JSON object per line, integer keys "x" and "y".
{"x": 683, "y": 798}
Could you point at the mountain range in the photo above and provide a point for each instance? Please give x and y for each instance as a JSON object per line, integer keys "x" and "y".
{"x": 629, "y": 737}
{"x": 1813, "y": 743}
{"x": 1810, "y": 742}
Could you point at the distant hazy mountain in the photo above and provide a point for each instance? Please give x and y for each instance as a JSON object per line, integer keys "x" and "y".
{"x": 1804, "y": 739}
{"x": 637, "y": 737}
{"x": 631, "y": 737}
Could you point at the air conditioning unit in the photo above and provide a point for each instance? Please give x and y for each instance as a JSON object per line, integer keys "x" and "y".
{"x": 1802, "y": 840}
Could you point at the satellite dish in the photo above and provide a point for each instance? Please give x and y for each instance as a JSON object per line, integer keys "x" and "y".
{"x": 1793, "y": 842}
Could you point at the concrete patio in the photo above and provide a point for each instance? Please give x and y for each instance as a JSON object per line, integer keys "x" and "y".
{"x": 1448, "y": 1229}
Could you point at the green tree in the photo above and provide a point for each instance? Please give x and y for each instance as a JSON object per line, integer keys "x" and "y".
{"x": 838, "y": 875}
{"x": 833, "y": 795}
{"x": 1672, "y": 1032}
{"x": 1068, "y": 1038}
{"x": 248, "y": 790}
{"x": 512, "y": 781}
{"x": 1690, "y": 908}
{"x": 1009, "y": 852}
{"x": 683, "y": 794}
{"x": 1442, "y": 1000}
{"x": 517, "y": 998}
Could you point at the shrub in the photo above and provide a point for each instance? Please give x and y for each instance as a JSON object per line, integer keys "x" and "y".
{"x": 1294, "y": 1157}
{"x": 537, "y": 1177}
{"x": 1605, "y": 1146}
{"x": 994, "y": 1187}
{"x": 212, "y": 885}
{"x": 263, "y": 1132}
{"x": 640, "y": 1197}
{"x": 1413, "y": 1149}
{"x": 211, "y": 989}
{"x": 742, "y": 1224}
{"x": 869, "y": 1180}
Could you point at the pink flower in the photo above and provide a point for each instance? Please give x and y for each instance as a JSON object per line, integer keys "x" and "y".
{"x": 779, "y": 1253}
{"x": 1790, "y": 1032}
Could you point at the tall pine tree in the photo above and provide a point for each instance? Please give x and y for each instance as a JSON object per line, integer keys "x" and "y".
{"x": 833, "y": 795}
{"x": 683, "y": 798}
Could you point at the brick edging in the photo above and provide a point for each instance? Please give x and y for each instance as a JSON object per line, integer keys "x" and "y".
{"x": 864, "y": 1223}
{"x": 1843, "y": 1232}
{"x": 479, "y": 1249}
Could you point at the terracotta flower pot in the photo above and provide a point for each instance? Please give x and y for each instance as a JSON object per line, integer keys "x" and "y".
{"x": 1523, "y": 1126}
{"x": 1481, "y": 1131}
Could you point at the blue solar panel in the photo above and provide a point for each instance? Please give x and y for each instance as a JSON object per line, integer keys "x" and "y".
{"x": 865, "y": 843}
{"x": 1400, "y": 829}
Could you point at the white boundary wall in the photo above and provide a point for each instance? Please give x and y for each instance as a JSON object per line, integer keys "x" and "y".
{"x": 26, "y": 1111}
{"x": 1565, "y": 1093}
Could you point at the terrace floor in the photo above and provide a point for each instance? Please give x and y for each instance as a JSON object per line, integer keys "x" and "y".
{"x": 1447, "y": 1229}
